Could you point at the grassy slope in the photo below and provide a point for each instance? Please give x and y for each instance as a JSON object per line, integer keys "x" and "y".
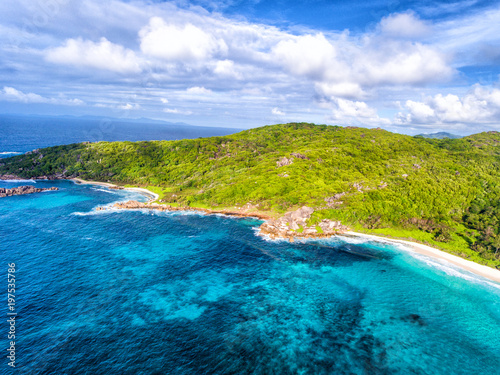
{"x": 443, "y": 192}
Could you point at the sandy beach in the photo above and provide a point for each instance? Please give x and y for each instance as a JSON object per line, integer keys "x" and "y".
{"x": 478, "y": 269}
{"x": 153, "y": 196}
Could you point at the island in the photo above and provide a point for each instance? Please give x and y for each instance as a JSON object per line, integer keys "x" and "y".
{"x": 441, "y": 192}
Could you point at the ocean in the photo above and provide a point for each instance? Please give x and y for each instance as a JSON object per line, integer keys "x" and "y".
{"x": 22, "y": 133}
{"x": 145, "y": 292}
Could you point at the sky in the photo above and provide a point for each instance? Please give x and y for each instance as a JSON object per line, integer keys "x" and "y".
{"x": 405, "y": 66}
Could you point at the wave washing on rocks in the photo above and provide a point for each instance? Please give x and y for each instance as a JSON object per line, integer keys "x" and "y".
{"x": 291, "y": 225}
{"x": 135, "y": 205}
{"x": 294, "y": 224}
{"x": 22, "y": 190}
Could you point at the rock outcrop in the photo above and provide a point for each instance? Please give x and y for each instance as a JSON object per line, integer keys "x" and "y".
{"x": 22, "y": 190}
{"x": 284, "y": 161}
{"x": 294, "y": 224}
{"x": 299, "y": 155}
{"x": 7, "y": 177}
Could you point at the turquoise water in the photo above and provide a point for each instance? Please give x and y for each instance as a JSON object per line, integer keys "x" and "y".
{"x": 138, "y": 292}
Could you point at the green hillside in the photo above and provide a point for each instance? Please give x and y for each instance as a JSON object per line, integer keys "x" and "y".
{"x": 445, "y": 192}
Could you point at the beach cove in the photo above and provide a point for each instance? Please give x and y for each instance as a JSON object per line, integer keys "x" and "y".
{"x": 475, "y": 268}
{"x": 211, "y": 289}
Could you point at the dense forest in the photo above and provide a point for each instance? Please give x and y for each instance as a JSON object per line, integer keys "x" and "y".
{"x": 445, "y": 192}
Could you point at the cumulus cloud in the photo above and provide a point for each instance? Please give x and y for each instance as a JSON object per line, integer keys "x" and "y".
{"x": 481, "y": 105}
{"x": 226, "y": 68}
{"x": 403, "y": 63}
{"x": 10, "y": 93}
{"x": 309, "y": 55}
{"x": 102, "y": 55}
{"x": 14, "y": 95}
{"x": 348, "y": 67}
{"x": 355, "y": 112}
{"x": 404, "y": 25}
{"x": 179, "y": 43}
{"x": 350, "y": 90}
{"x": 277, "y": 112}
{"x": 209, "y": 51}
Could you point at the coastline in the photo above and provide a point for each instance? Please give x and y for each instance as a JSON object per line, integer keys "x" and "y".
{"x": 113, "y": 186}
{"x": 475, "y": 268}
{"x": 489, "y": 273}
{"x": 134, "y": 205}
{"x": 431, "y": 252}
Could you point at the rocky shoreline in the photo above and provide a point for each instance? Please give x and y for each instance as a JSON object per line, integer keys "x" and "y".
{"x": 23, "y": 190}
{"x": 292, "y": 225}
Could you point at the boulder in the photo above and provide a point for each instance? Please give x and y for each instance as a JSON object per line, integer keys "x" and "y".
{"x": 22, "y": 190}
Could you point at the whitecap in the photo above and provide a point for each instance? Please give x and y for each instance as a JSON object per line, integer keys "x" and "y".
{"x": 10, "y": 153}
{"x": 106, "y": 190}
{"x": 355, "y": 240}
{"x": 451, "y": 270}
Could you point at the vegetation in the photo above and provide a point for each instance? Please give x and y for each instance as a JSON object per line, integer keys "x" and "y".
{"x": 445, "y": 192}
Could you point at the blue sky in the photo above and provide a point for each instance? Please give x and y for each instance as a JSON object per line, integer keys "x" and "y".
{"x": 406, "y": 66}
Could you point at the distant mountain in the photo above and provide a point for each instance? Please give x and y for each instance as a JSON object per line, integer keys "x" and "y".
{"x": 439, "y": 135}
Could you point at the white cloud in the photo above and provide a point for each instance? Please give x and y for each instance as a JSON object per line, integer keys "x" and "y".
{"x": 196, "y": 90}
{"x": 179, "y": 43}
{"x": 309, "y": 55}
{"x": 277, "y": 112}
{"x": 129, "y": 106}
{"x": 480, "y": 105}
{"x": 19, "y": 96}
{"x": 227, "y": 69}
{"x": 402, "y": 63}
{"x": 420, "y": 112}
{"x": 177, "y": 111}
{"x": 404, "y": 25}
{"x": 14, "y": 95}
{"x": 102, "y": 55}
{"x": 355, "y": 109}
{"x": 348, "y": 67}
{"x": 348, "y": 90}
{"x": 164, "y": 100}
{"x": 354, "y": 112}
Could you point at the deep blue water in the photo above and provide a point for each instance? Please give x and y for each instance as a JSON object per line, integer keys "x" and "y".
{"x": 138, "y": 292}
{"x": 19, "y": 134}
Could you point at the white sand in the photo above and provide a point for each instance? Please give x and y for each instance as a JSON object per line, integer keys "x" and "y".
{"x": 478, "y": 269}
{"x": 106, "y": 184}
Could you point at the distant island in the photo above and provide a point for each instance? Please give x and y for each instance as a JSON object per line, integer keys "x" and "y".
{"x": 442, "y": 192}
{"x": 439, "y": 135}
